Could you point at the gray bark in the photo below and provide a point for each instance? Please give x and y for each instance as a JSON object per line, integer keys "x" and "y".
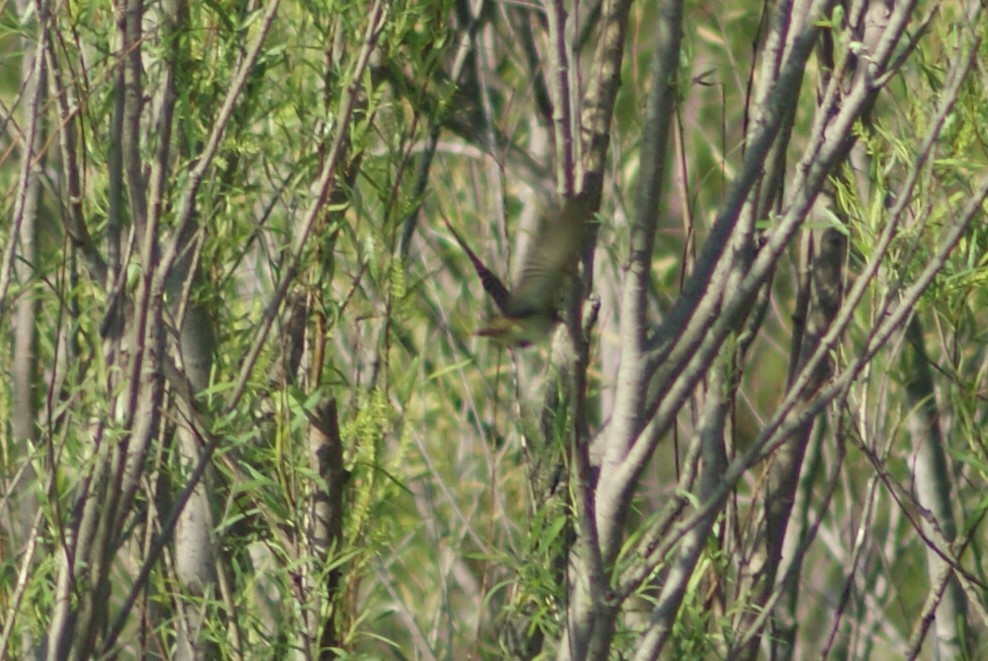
{"x": 19, "y": 486}
{"x": 20, "y": 478}
{"x": 934, "y": 486}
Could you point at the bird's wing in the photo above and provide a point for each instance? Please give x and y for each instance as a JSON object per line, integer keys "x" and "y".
{"x": 550, "y": 259}
{"x": 492, "y": 284}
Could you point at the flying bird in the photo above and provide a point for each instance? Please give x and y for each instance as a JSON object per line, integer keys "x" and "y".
{"x": 530, "y": 310}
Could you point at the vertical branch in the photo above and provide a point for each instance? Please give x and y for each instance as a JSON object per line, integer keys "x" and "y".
{"x": 89, "y": 550}
{"x": 711, "y": 434}
{"x": 826, "y": 290}
{"x": 74, "y": 223}
{"x": 590, "y": 624}
{"x": 131, "y": 14}
{"x": 633, "y": 373}
{"x": 327, "y": 509}
{"x": 562, "y": 84}
{"x": 198, "y": 562}
{"x": 598, "y": 112}
{"x": 697, "y": 325}
{"x": 25, "y": 197}
{"x": 681, "y": 354}
{"x": 20, "y": 507}
{"x": 934, "y": 485}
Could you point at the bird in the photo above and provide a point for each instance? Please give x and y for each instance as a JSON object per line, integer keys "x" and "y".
{"x": 529, "y": 312}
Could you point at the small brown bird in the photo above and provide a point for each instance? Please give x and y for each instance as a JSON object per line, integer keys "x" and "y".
{"x": 529, "y": 312}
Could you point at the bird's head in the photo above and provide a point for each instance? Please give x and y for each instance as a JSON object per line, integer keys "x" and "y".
{"x": 521, "y": 330}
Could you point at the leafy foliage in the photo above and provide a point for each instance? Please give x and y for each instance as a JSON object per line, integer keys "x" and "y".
{"x": 245, "y": 414}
